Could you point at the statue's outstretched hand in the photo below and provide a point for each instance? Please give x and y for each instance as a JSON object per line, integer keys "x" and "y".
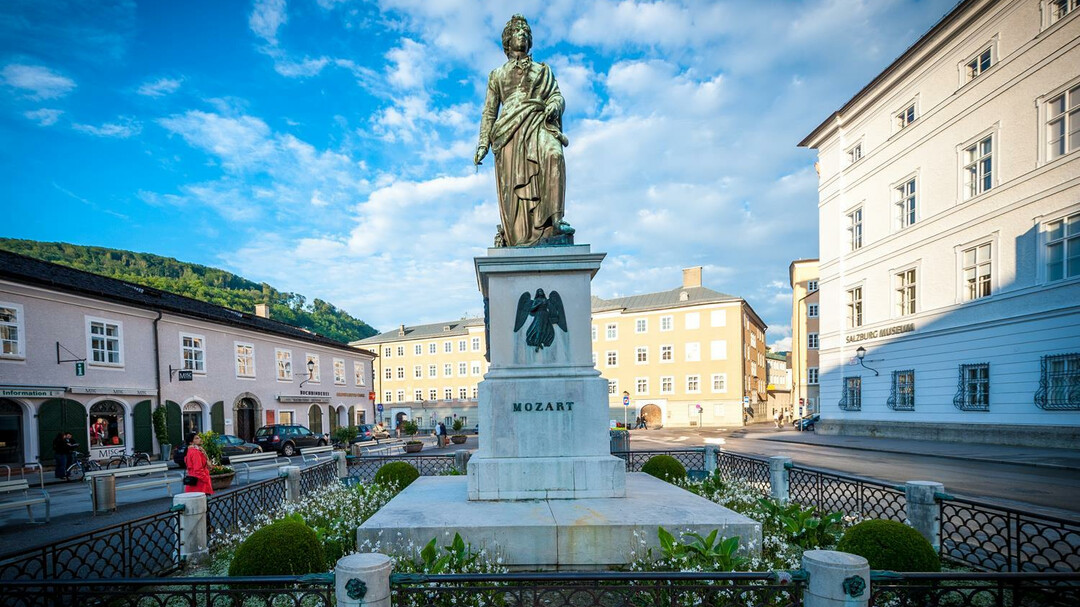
{"x": 481, "y": 151}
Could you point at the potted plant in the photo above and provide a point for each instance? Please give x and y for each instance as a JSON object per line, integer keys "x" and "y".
{"x": 161, "y": 431}
{"x": 221, "y": 476}
{"x": 458, "y": 438}
{"x": 410, "y": 429}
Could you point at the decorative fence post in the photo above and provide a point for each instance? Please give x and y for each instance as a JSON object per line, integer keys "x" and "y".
{"x": 710, "y": 459}
{"x": 461, "y": 460}
{"x": 342, "y": 467}
{"x": 193, "y": 544}
{"x": 292, "y": 483}
{"x": 363, "y": 579}
{"x": 778, "y": 478}
{"x": 923, "y": 511}
{"x": 837, "y": 579}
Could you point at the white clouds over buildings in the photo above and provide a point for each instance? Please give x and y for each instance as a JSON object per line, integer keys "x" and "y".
{"x": 37, "y": 81}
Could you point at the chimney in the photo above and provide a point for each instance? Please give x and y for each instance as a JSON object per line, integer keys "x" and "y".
{"x": 262, "y": 310}
{"x": 691, "y": 277}
{"x": 401, "y": 331}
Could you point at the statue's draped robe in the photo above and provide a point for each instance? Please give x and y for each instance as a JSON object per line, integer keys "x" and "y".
{"x": 530, "y": 172}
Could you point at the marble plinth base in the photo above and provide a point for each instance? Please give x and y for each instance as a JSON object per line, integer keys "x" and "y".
{"x": 577, "y": 534}
{"x": 532, "y": 478}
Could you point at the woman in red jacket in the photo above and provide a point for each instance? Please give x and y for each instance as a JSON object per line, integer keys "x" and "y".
{"x": 197, "y": 465}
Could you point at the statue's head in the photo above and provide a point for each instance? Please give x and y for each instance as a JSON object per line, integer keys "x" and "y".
{"x": 516, "y": 26}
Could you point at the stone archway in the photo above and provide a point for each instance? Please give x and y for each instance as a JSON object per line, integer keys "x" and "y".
{"x": 654, "y": 418}
{"x": 13, "y": 436}
{"x": 247, "y": 412}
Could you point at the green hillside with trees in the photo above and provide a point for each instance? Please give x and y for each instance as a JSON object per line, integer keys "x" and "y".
{"x": 198, "y": 282}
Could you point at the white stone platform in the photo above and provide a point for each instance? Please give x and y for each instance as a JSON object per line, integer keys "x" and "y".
{"x": 579, "y": 534}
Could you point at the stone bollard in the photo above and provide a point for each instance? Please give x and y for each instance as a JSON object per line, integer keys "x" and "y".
{"x": 363, "y": 579}
{"x": 778, "y": 478}
{"x": 837, "y": 579}
{"x": 711, "y": 453}
{"x": 193, "y": 544}
{"x": 461, "y": 460}
{"x": 292, "y": 483}
{"x": 923, "y": 512}
{"x": 342, "y": 465}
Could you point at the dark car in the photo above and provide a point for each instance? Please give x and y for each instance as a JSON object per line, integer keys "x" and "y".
{"x": 807, "y": 423}
{"x": 366, "y": 432}
{"x": 234, "y": 445}
{"x": 287, "y": 439}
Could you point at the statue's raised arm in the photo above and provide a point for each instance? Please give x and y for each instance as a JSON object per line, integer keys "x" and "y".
{"x": 522, "y": 125}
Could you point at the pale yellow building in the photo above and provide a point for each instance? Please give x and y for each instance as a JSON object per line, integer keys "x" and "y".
{"x": 689, "y": 356}
{"x": 805, "y": 336}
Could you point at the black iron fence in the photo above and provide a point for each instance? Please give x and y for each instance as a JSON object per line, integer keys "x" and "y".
{"x": 283, "y": 591}
{"x": 753, "y": 471}
{"x": 769, "y": 589}
{"x": 891, "y": 589}
{"x": 227, "y": 511}
{"x": 317, "y": 476}
{"x": 364, "y": 468}
{"x": 147, "y": 546}
{"x": 691, "y": 459}
{"x": 851, "y": 494}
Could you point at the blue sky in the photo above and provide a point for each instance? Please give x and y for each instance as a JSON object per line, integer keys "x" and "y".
{"x": 325, "y": 146}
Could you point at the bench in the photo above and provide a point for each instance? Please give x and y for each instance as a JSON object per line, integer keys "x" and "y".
{"x": 377, "y": 447}
{"x": 22, "y": 469}
{"x": 16, "y": 494}
{"x": 258, "y": 461}
{"x": 137, "y": 477}
{"x": 317, "y": 454}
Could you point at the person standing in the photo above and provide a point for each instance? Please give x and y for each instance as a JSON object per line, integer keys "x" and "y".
{"x": 198, "y": 465}
{"x": 62, "y": 450}
{"x": 442, "y": 434}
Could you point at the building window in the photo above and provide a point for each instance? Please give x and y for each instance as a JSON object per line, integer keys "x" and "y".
{"x": 106, "y": 424}
{"x": 612, "y": 358}
{"x": 193, "y": 352}
{"x": 613, "y": 386}
{"x": 401, "y": 372}
{"x": 594, "y": 332}
{"x": 386, "y": 352}
{"x": 693, "y": 351}
{"x": 594, "y": 359}
{"x": 432, "y": 370}
{"x": 851, "y": 399}
{"x": 718, "y": 349}
{"x": 11, "y": 331}
{"x": 448, "y": 347}
{"x": 359, "y": 377}
{"x": 400, "y": 396}
{"x": 339, "y": 372}
{"x": 719, "y": 382}
{"x": 855, "y": 153}
{"x": 462, "y": 369}
{"x": 476, "y": 368}
{"x": 641, "y": 385}
{"x": 1060, "y": 8}
{"x": 106, "y": 342}
{"x": 693, "y": 384}
{"x": 463, "y": 393}
{"x": 854, "y": 307}
{"x": 811, "y": 285}
{"x": 979, "y": 64}
{"x": 433, "y": 394}
{"x": 902, "y": 392}
{"x": 1063, "y": 248}
{"x": 448, "y": 370}
{"x": 461, "y": 345}
{"x": 245, "y": 359}
{"x": 1059, "y": 383}
{"x": 284, "y": 364}
{"x": 418, "y": 349}
{"x": 401, "y": 350}
{"x": 432, "y": 347}
{"x": 611, "y": 332}
{"x": 905, "y": 292}
{"x": 812, "y": 341}
{"x": 811, "y": 310}
{"x": 904, "y": 195}
{"x": 389, "y": 373}
{"x": 753, "y": 341}
{"x": 667, "y": 353}
{"x": 977, "y": 272}
{"x": 388, "y": 396}
{"x": 418, "y": 395}
{"x": 448, "y": 394}
{"x": 315, "y": 375}
{"x": 855, "y": 228}
{"x": 641, "y": 355}
{"x": 973, "y": 388}
{"x": 812, "y": 376}
{"x": 978, "y": 167}
{"x": 641, "y": 325}
{"x": 667, "y": 323}
{"x": 905, "y": 117}
{"x": 667, "y": 384}
{"x": 418, "y": 372}
{"x": 476, "y": 344}
{"x": 692, "y": 321}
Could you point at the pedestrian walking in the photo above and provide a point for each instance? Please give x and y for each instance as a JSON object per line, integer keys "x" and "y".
{"x": 441, "y": 434}
{"x": 198, "y": 466}
{"x": 62, "y": 451}
{"x": 776, "y": 418}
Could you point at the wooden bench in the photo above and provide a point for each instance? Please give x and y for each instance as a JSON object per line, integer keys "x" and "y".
{"x": 136, "y": 477}
{"x": 258, "y": 461}
{"x": 16, "y": 494}
{"x": 317, "y": 454}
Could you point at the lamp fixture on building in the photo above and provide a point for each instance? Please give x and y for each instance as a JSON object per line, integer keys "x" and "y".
{"x": 861, "y": 354}
{"x": 310, "y": 372}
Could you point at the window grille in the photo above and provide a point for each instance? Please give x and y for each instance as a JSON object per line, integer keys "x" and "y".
{"x": 852, "y": 396}
{"x": 902, "y": 392}
{"x": 973, "y": 388}
{"x": 1059, "y": 383}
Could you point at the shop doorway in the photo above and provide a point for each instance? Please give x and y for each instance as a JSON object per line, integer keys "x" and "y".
{"x": 246, "y": 420}
{"x": 193, "y": 418}
{"x": 11, "y": 432}
{"x": 653, "y": 417}
{"x": 60, "y": 415}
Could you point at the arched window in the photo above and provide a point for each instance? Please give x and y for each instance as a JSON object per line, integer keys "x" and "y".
{"x": 106, "y": 424}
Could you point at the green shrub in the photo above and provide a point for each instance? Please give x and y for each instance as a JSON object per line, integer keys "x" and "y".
{"x": 344, "y": 434}
{"x": 211, "y": 447}
{"x": 664, "y": 467}
{"x": 401, "y": 474}
{"x": 410, "y": 428}
{"x": 891, "y": 546}
{"x": 284, "y": 547}
{"x": 161, "y": 425}
{"x": 458, "y": 424}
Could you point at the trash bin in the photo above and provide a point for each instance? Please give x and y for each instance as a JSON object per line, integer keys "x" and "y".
{"x": 104, "y": 493}
{"x": 620, "y": 440}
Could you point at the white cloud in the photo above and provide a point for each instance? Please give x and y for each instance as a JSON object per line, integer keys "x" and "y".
{"x": 44, "y": 116}
{"x": 410, "y": 65}
{"x": 159, "y": 87}
{"x": 267, "y": 16}
{"x": 126, "y": 127}
{"x": 38, "y": 82}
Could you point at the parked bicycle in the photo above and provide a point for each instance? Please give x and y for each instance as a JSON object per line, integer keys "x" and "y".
{"x": 82, "y": 465}
{"x": 128, "y": 460}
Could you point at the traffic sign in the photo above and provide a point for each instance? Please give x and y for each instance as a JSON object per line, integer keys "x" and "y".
{"x": 378, "y": 407}
{"x": 626, "y": 401}
{"x": 371, "y": 396}
{"x": 746, "y": 400}
{"x": 80, "y": 369}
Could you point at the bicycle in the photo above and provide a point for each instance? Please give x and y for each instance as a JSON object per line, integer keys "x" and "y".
{"x": 82, "y": 465}
{"x": 128, "y": 460}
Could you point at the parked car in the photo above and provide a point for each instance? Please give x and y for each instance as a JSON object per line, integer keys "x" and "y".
{"x": 367, "y": 432}
{"x": 287, "y": 439}
{"x": 807, "y": 422}
{"x": 230, "y": 445}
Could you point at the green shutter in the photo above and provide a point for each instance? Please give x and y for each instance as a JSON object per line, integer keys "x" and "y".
{"x": 175, "y": 420}
{"x": 333, "y": 419}
{"x": 61, "y": 415}
{"x": 144, "y": 427}
{"x": 217, "y": 417}
{"x": 352, "y": 416}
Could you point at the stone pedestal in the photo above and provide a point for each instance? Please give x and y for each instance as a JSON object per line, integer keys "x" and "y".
{"x": 542, "y": 410}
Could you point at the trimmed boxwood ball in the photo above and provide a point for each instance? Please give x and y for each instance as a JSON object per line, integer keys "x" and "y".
{"x": 402, "y": 474}
{"x": 891, "y": 546}
{"x": 285, "y": 547}
{"x": 664, "y": 467}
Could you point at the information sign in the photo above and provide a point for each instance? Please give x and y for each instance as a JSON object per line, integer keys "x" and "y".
{"x": 80, "y": 369}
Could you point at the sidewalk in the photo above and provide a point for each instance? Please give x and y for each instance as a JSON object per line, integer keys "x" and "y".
{"x": 1062, "y": 459}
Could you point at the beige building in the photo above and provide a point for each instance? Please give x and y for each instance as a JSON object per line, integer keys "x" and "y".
{"x": 805, "y": 311}
{"x": 779, "y": 387}
{"x": 686, "y": 357}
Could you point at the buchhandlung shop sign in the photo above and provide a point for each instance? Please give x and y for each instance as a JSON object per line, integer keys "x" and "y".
{"x": 876, "y": 333}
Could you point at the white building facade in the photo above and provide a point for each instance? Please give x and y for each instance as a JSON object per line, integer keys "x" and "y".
{"x": 949, "y": 218}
